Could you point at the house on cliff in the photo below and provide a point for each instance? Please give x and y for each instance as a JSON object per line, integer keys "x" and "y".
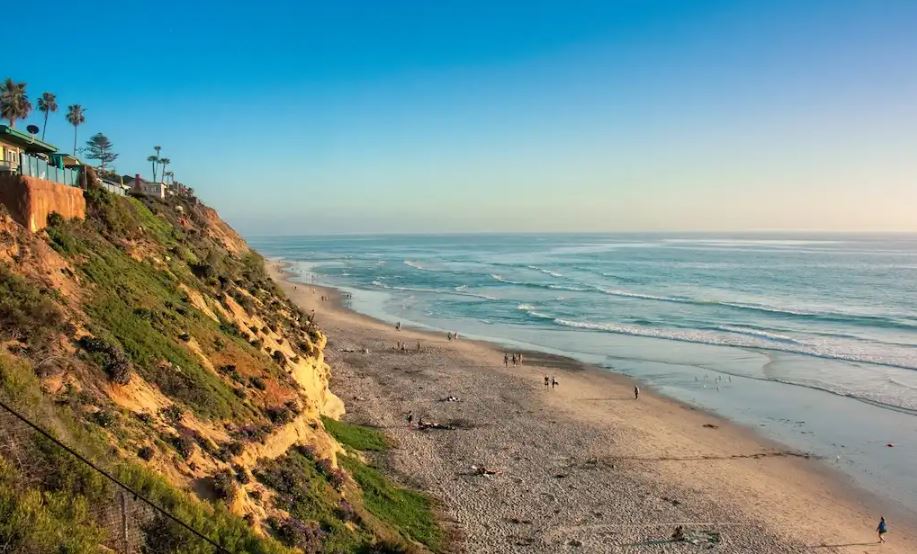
{"x": 139, "y": 187}
{"x": 14, "y": 143}
{"x": 24, "y": 154}
{"x": 34, "y": 182}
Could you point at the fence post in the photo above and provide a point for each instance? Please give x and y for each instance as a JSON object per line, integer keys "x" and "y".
{"x": 127, "y": 547}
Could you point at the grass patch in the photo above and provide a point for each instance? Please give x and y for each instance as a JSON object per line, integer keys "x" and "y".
{"x": 358, "y": 437}
{"x": 407, "y": 511}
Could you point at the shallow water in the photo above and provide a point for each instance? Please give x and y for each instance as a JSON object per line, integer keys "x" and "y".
{"x": 812, "y": 339}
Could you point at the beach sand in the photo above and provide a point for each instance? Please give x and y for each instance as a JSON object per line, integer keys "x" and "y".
{"x": 583, "y": 467}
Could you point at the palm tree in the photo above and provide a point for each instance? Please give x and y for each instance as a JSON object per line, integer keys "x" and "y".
{"x": 47, "y": 104}
{"x": 155, "y": 159}
{"x": 14, "y": 102}
{"x": 164, "y": 162}
{"x": 76, "y": 116}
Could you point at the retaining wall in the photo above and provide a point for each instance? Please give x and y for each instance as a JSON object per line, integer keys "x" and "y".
{"x": 30, "y": 200}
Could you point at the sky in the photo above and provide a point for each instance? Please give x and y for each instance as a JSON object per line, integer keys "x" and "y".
{"x": 307, "y": 117}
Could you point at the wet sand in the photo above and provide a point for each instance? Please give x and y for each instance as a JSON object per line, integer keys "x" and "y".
{"x": 584, "y": 466}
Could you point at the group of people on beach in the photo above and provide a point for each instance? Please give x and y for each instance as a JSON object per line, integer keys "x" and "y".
{"x": 516, "y": 358}
{"x": 403, "y": 346}
{"x": 550, "y": 382}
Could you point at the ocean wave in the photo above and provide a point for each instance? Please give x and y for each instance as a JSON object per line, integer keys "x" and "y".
{"x": 764, "y": 242}
{"x": 415, "y": 265}
{"x": 531, "y": 312}
{"x": 757, "y": 333}
{"x": 714, "y": 338}
{"x": 840, "y": 317}
{"x": 620, "y": 277}
{"x": 381, "y": 285}
{"x": 892, "y": 321}
{"x": 549, "y": 286}
{"x": 545, "y": 271}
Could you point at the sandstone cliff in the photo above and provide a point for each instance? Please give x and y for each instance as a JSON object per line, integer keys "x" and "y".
{"x": 150, "y": 337}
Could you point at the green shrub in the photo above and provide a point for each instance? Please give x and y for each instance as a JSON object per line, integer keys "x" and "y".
{"x": 224, "y": 486}
{"x": 32, "y": 520}
{"x": 306, "y": 536}
{"x": 26, "y": 311}
{"x": 111, "y": 358}
{"x": 308, "y": 496}
{"x": 184, "y": 445}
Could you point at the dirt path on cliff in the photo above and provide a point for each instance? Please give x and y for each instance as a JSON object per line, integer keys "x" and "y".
{"x": 583, "y": 467}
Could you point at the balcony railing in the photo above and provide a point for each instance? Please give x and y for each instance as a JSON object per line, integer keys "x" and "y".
{"x": 30, "y": 166}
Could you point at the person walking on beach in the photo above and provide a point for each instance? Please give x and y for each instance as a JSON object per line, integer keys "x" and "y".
{"x": 519, "y": 357}
{"x": 882, "y": 529}
{"x": 505, "y": 359}
{"x": 636, "y": 392}
{"x": 547, "y": 381}
{"x": 554, "y": 383}
{"x": 514, "y": 359}
{"x": 398, "y": 326}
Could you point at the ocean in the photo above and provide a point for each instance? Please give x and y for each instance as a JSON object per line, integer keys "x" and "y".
{"x": 810, "y": 338}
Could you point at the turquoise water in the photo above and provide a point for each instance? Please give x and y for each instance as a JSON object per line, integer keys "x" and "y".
{"x": 812, "y": 338}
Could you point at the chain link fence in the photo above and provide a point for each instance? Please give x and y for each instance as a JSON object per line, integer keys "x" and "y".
{"x": 37, "y": 469}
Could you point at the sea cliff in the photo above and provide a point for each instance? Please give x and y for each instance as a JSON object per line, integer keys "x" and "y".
{"x": 151, "y": 346}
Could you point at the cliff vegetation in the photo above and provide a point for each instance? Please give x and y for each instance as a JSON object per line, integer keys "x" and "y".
{"x": 149, "y": 339}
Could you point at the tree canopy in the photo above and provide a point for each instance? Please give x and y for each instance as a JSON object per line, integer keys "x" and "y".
{"x": 99, "y": 147}
{"x": 14, "y": 102}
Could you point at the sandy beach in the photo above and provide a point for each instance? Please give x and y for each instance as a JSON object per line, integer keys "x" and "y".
{"x": 583, "y": 466}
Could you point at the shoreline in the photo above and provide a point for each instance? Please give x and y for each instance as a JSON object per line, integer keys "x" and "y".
{"x": 759, "y": 494}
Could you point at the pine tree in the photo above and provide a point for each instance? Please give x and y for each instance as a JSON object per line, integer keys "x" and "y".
{"x": 98, "y": 147}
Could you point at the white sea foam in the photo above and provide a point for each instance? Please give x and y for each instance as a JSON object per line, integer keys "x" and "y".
{"x": 545, "y": 271}
{"x": 415, "y": 265}
{"x": 382, "y": 285}
{"x": 530, "y": 310}
{"x": 899, "y": 358}
{"x": 757, "y": 333}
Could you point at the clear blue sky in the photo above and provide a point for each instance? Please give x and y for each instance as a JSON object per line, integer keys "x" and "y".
{"x": 306, "y": 117}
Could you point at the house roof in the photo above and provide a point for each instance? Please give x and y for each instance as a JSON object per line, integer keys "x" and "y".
{"x": 25, "y": 140}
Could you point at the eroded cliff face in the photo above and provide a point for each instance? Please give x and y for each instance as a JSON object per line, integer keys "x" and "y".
{"x": 30, "y": 200}
{"x": 152, "y": 324}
